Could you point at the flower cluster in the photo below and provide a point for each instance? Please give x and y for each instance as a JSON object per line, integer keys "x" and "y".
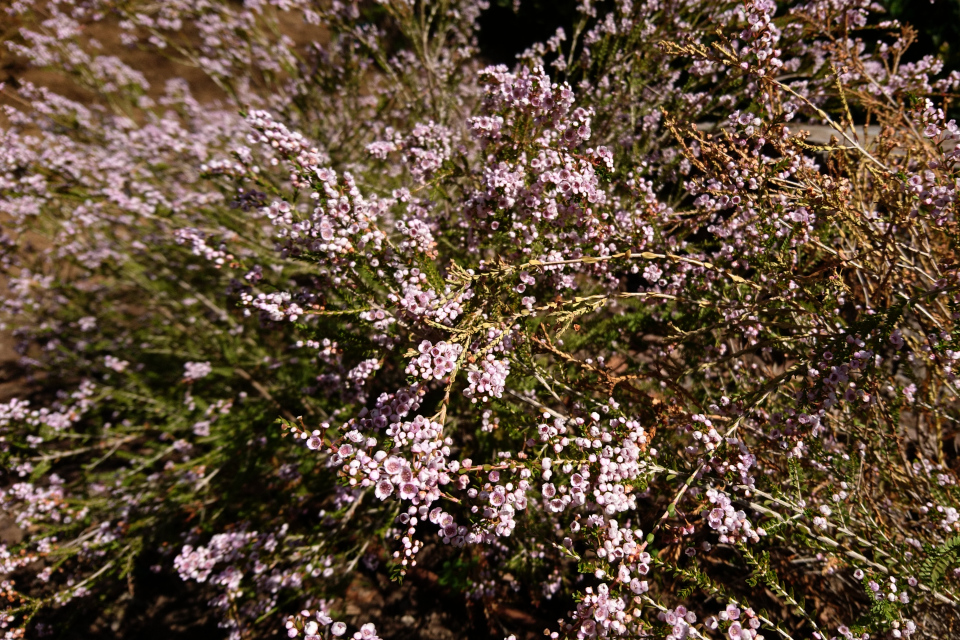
{"x": 436, "y": 361}
{"x": 489, "y": 381}
{"x": 732, "y": 525}
{"x": 652, "y": 332}
{"x": 196, "y": 370}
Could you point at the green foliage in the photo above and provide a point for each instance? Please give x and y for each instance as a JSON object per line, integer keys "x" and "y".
{"x": 939, "y": 560}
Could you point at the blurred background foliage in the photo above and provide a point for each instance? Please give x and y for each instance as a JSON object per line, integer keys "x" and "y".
{"x": 937, "y": 24}
{"x": 508, "y": 28}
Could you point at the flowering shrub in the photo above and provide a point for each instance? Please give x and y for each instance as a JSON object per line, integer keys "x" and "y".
{"x": 602, "y": 336}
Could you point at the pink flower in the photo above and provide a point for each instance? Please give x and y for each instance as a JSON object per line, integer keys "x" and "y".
{"x": 383, "y": 489}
